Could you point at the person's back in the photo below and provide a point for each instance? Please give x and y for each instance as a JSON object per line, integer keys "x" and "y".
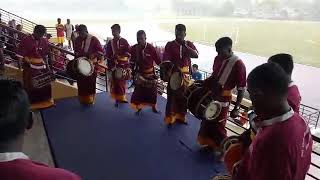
{"x": 280, "y": 146}
{"x": 15, "y": 119}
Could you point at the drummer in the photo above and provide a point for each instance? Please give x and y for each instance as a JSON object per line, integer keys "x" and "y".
{"x": 282, "y": 148}
{"x": 34, "y": 49}
{"x": 179, "y": 52}
{"x": 87, "y": 45}
{"x": 286, "y": 62}
{"x": 230, "y": 72}
{"x": 143, "y": 59}
{"x": 118, "y": 55}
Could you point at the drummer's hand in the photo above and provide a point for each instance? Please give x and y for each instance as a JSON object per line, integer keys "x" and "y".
{"x": 234, "y": 113}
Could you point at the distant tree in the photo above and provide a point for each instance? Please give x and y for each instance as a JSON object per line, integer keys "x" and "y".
{"x": 246, "y": 4}
{"x": 226, "y": 9}
{"x": 272, "y": 4}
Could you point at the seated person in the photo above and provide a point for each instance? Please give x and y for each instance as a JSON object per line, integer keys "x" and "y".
{"x": 196, "y": 75}
{"x": 286, "y": 62}
{"x": 15, "y": 119}
{"x": 282, "y": 147}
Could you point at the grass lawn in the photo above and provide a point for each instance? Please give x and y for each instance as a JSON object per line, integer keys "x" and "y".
{"x": 259, "y": 37}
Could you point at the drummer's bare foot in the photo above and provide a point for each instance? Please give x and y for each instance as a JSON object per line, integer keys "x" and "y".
{"x": 155, "y": 110}
{"x": 182, "y": 122}
{"x": 123, "y": 102}
{"x": 138, "y": 113}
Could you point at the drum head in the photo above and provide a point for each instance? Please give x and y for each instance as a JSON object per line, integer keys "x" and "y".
{"x": 212, "y": 111}
{"x": 119, "y": 73}
{"x": 175, "y": 81}
{"x": 85, "y": 67}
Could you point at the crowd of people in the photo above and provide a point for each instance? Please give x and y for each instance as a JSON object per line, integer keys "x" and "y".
{"x": 280, "y": 147}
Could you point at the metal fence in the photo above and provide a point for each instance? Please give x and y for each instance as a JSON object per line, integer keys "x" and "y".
{"x": 311, "y": 114}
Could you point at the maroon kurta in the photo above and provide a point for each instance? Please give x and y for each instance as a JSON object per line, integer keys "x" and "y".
{"x": 118, "y": 54}
{"x": 90, "y": 49}
{"x": 294, "y": 97}
{"x": 281, "y": 150}
{"x": 142, "y": 61}
{"x": 34, "y": 51}
{"x": 28, "y": 170}
{"x": 212, "y": 133}
{"x": 178, "y": 54}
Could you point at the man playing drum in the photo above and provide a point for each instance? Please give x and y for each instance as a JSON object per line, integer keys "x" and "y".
{"x": 34, "y": 49}
{"x": 229, "y": 72}
{"x": 179, "y": 53}
{"x": 143, "y": 58}
{"x": 118, "y": 55}
{"x": 87, "y": 45}
{"x": 283, "y": 145}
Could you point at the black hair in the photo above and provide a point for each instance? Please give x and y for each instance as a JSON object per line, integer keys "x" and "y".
{"x": 59, "y": 19}
{"x": 116, "y": 27}
{"x": 40, "y": 29}
{"x": 223, "y": 42}
{"x": 283, "y": 60}
{"x": 82, "y": 27}
{"x": 140, "y": 32}
{"x": 181, "y": 27}
{"x": 195, "y": 66}
{"x": 14, "y": 110}
{"x": 269, "y": 77}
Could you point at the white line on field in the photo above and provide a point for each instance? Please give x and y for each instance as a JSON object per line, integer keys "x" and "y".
{"x": 237, "y": 35}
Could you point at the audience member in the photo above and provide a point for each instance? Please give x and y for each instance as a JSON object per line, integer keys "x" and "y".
{"x": 196, "y": 75}
{"x": 15, "y": 121}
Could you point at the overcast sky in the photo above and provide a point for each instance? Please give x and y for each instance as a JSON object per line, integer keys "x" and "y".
{"x": 79, "y": 9}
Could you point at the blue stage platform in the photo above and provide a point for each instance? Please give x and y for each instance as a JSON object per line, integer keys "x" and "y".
{"x": 102, "y": 142}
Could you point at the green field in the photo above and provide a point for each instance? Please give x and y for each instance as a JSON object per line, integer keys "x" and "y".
{"x": 259, "y": 37}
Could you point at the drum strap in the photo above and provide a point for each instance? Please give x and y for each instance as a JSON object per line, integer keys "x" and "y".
{"x": 227, "y": 69}
{"x": 87, "y": 43}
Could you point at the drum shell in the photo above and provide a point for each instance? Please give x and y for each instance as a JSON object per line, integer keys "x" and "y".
{"x": 147, "y": 82}
{"x": 189, "y": 90}
{"x": 72, "y": 71}
{"x": 194, "y": 100}
{"x": 232, "y": 149}
{"x": 126, "y": 73}
{"x": 166, "y": 71}
{"x": 180, "y": 84}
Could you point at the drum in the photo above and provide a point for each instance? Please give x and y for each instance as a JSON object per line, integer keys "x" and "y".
{"x": 166, "y": 70}
{"x": 80, "y": 67}
{"x": 201, "y": 104}
{"x": 176, "y": 80}
{"x": 145, "y": 82}
{"x": 232, "y": 150}
{"x": 43, "y": 79}
{"x": 123, "y": 73}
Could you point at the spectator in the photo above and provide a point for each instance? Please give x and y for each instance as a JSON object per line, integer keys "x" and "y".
{"x": 74, "y": 35}
{"x": 12, "y": 24}
{"x": 69, "y": 30}
{"x": 15, "y": 120}
{"x": 60, "y": 32}
{"x": 196, "y": 75}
